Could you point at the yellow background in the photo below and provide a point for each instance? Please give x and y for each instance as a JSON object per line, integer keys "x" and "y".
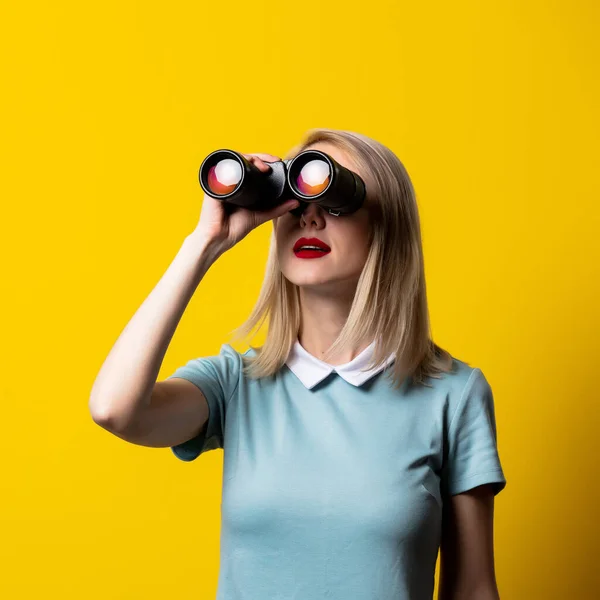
{"x": 108, "y": 110}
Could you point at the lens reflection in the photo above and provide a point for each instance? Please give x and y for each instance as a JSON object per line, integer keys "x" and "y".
{"x": 224, "y": 177}
{"x": 313, "y": 178}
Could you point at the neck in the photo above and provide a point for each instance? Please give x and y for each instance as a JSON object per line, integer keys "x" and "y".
{"x": 322, "y": 318}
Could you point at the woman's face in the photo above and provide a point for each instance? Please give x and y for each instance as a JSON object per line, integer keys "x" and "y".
{"x": 347, "y": 238}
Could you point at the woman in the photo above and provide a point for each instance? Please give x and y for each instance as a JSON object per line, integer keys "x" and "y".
{"x": 354, "y": 446}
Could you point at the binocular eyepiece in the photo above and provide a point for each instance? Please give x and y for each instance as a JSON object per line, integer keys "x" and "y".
{"x": 311, "y": 176}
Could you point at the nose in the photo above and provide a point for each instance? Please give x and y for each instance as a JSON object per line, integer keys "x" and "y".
{"x": 312, "y": 215}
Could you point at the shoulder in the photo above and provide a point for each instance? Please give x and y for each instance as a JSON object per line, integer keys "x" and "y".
{"x": 228, "y": 354}
{"x": 459, "y": 378}
{"x": 224, "y": 368}
{"x": 461, "y": 384}
{"x": 468, "y": 398}
{"x": 234, "y": 361}
{"x": 237, "y": 357}
{"x": 229, "y": 360}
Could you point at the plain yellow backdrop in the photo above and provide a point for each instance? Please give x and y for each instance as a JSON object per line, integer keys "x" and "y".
{"x": 107, "y": 111}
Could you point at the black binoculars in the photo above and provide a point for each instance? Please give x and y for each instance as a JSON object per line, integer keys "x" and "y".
{"x": 311, "y": 176}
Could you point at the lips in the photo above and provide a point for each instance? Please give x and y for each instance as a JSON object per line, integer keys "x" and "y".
{"x": 315, "y": 244}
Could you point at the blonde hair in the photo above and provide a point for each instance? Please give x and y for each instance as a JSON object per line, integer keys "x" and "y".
{"x": 390, "y": 303}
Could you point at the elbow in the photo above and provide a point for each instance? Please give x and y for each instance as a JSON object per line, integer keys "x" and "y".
{"x": 102, "y": 414}
{"x": 99, "y": 413}
{"x": 115, "y": 421}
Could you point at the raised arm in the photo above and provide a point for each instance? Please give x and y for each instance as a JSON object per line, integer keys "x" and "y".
{"x": 125, "y": 398}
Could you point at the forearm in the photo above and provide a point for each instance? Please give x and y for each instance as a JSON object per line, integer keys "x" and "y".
{"x": 449, "y": 591}
{"x": 126, "y": 379}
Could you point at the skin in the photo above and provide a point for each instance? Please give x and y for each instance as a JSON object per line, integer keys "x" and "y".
{"x": 327, "y": 286}
{"x": 467, "y": 547}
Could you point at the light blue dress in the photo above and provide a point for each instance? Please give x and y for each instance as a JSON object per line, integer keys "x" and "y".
{"x": 333, "y": 481}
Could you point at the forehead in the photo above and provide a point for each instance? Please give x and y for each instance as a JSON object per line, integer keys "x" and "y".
{"x": 337, "y": 154}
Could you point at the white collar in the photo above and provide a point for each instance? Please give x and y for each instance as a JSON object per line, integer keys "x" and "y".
{"x": 311, "y": 371}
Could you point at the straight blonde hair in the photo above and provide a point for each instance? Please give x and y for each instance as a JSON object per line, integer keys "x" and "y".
{"x": 390, "y": 303}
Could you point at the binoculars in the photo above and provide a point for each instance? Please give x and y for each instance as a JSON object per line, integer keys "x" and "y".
{"x": 311, "y": 176}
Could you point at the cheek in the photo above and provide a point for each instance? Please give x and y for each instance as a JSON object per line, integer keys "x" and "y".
{"x": 356, "y": 240}
{"x": 282, "y": 232}
{"x": 357, "y": 253}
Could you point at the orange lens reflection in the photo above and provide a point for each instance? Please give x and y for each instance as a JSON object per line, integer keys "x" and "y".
{"x": 313, "y": 178}
{"x": 225, "y": 176}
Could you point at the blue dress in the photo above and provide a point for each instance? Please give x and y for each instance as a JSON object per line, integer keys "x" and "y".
{"x": 334, "y": 481}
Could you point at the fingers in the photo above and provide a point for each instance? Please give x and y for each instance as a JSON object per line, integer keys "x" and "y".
{"x": 260, "y": 161}
{"x": 266, "y": 157}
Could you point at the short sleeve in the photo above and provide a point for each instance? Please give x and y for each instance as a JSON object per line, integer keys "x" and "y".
{"x": 473, "y": 458}
{"x": 217, "y": 377}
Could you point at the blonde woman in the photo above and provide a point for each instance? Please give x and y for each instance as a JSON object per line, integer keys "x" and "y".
{"x": 354, "y": 447}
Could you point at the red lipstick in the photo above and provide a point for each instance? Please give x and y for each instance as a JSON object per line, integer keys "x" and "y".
{"x": 311, "y": 248}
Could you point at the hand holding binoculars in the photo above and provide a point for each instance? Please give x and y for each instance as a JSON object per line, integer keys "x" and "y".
{"x": 311, "y": 176}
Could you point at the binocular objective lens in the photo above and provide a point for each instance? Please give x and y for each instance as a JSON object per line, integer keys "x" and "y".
{"x": 224, "y": 177}
{"x": 313, "y": 178}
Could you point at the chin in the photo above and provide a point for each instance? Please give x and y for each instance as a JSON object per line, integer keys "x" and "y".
{"x": 307, "y": 280}
{"x": 319, "y": 280}
{"x": 316, "y": 273}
